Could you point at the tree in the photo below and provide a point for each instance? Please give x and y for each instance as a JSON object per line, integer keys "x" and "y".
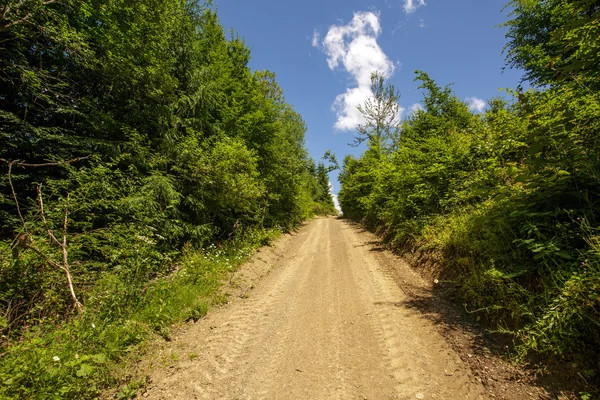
{"x": 443, "y": 113}
{"x": 322, "y": 175}
{"x": 382, "y": 117}
{"x": 555, "y": 41}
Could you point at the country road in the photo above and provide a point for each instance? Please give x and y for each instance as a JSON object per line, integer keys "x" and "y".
{"x": 326, "y": 322}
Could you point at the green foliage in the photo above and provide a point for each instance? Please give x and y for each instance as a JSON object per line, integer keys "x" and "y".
{"x": 78, "y": 359}
{"x": 556, "y": 42}
{"x": 504, "y": 202}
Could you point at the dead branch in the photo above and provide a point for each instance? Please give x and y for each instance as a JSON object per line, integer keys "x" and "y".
{"x": 43, "y": 214}
{"x": 21, "y": 20}
{"x": 12, "y": 188}
{"x": 25, "y": 241}
{"x": 78, "y": 305}
{"x": 45, "y": 257}
{"x": 63, "y": 245}
{"x": 5, "y": 9}
{"x": 15, "y": 22}
{"x": 20, "y": 163}
{"x": 14, "y": 312}
{"x": 19, "y": 243}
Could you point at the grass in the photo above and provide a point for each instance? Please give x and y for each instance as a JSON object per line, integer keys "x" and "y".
{"x": 80, "y": 357}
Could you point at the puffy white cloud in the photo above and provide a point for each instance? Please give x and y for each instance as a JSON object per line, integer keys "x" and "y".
{"x": 410, "y": 6}
{"x": 476, "y": 104}
{"x": 354, "y": 47}
{"x": 345, "y": 107}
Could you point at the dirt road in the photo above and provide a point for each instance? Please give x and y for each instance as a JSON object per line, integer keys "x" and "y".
{"x": 325, "y": 323}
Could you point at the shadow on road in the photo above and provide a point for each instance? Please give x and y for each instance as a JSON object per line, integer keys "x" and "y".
{"x": 488, "y": 353}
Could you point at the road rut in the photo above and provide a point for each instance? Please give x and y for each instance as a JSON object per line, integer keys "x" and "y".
{"x": 326, "y": 323}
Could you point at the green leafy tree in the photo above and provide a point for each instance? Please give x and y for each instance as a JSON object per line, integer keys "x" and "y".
{"x": 556, "y": 41}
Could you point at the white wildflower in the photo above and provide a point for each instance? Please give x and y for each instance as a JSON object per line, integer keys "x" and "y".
{"x": 56, "y": 359}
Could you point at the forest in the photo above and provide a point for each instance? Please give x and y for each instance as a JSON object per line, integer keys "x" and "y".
{"x": 504, "y": 203}
{"x": 141, "y": 161}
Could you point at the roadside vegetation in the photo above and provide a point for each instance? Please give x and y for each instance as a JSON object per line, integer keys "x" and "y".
{"x": 141, "y": 162}
{"x": 505, "y": 202}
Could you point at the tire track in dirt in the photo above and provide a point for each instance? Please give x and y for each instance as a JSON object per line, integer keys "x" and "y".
{"x": 228, "y": 335}
{"x": 421, "y": 362}
{"x": 327, "y": 323}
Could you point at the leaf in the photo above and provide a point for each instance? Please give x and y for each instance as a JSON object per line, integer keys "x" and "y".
{"x": 527, "y": 241}
{"x": 522, "y": 178}
{"x": 99, "y": 358}
{"x": 515, "y": 274}
{"x": 494, "y": 273}
{"x": 564, "y": 254}
{"x": 85, "y": 370}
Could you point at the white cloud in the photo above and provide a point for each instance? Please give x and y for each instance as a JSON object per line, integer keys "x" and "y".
{"x": 345, "y": 107}
{"x": 336, "y": 202}
{"x": 476, "y": 104}
{"x": 354, "y": 47}
{"x": 410, "y": 6}
{"x": 315, "y": 39}
{"x": 334, "y": 196}
{"x": 415, "y": 107}
{"x": 395, "y": 29}
{"x": 422, "y": 23}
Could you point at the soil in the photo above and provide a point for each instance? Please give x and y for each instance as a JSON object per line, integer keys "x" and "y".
{"x": 327, "y": 313}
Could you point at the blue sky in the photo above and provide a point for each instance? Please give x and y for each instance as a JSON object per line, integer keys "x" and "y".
{"x": 322, "y": 52}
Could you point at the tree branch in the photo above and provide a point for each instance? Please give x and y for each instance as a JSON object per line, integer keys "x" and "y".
{"x": 21, "y": 20}
{"x": 5, "y": 10}
{"x": 12, "y": 188}
{"x": 25, "y": 242}
{"x": 78, "y": 305}
{"x": 41, "y": 203}
{"x": 20, "y": 163}
{"x": 63, "y": 245}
